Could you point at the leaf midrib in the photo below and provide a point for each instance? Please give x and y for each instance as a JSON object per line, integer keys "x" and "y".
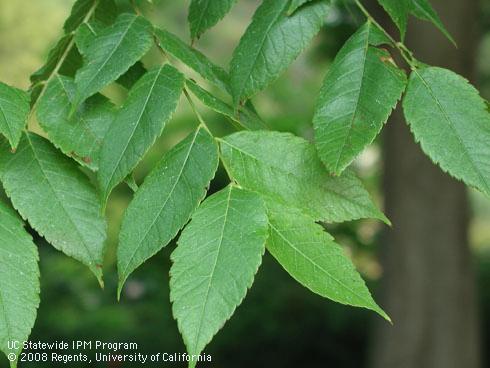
{"x": 259, "y": 50}
{"x": 220, "y": 243}
{"x": 110, "y": 55}
{"x": 358, "y": 97}
{"x": 197, "y": 28}
{"x": 295, "y": 176}
{"x": 38, "y": 161}
{"x": 9, "y": 128}
{"x": 453, "y": 128}
{"x": 143, "y": 109}
{"x": 191, "y": 147}
{"x": 85, "y": 125}
{"x": 316, "y": 265}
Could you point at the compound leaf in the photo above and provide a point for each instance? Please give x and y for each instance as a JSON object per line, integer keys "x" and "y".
{"x": 286, "y": 169}
{"x": 361, "y": 88}
{"x": 204, "y": 14}
{"x": 81, "y": 134}
{"x": 166, "y": 200}
{"x": 311, "y": 256}
{"x": 19, "y": 281}
{"x": 112, "y": 53}
{"x": 271, "y": 42}
{"x": 49, "y": 190}
{"x": 214, "y": 264}
{"x": 451, "y": 122}
{"x": 14, "y": 109}
{"x": 150, "y": 104}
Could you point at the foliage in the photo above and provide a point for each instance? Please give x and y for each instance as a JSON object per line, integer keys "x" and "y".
{"x": 282, "y": 187}
{"x": 19, "y": 284}
{"x": 353, "y": 105}
{"x": 14, "y": 107}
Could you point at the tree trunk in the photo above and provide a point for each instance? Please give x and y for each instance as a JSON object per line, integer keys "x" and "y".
{"x": 428, "y": 284}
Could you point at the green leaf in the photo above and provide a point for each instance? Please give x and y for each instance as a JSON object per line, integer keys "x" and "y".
{"x": 150, "y": 104}
{"x": 204, "y": 14}
{"x": 245, "y": 117}
{"x": 112, "y": 53}
{"x": 271, "y": 42}
{"x": 86, "y": 35}
{"x": 295, "y": 4}
{"x": 49, "y": 190}
{"x": 451, "y": 122}
{"x": 399, "y": 10}
{"x": 311, "y": 256}
{"x": 286, "y": 169}
{"x": 166, "y": 200}
{"x": 193, "y": 59}
{"x": 79, "y": 136}
{"x": 361, "y": 89}
{"x": 14, "y": 109}
{"x": 19, "y": 281}
{"x": 214, "y": 264}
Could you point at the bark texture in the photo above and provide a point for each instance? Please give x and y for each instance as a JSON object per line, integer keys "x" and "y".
{"x": 428, "y": 284}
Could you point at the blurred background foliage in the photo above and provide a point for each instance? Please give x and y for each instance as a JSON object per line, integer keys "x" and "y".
{"x": 280, "y": 323}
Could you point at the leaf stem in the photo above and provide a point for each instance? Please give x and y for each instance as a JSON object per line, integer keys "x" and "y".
{"x": 223, "y": 162}
{"x": 186, "y": 93}
{"x": 59, "y": 64}
{"x": 199, "y": 116}
{"x": 196, "y": 112}
{"x": 406, "y": 54}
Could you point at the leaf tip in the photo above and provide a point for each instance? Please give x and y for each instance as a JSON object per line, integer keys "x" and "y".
{"x": 100, "y": 278}
{"x": 385, "y": 219}
{"x": 383, "y": 314}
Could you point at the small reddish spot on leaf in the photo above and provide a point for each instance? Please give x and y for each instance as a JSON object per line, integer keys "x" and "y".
{"x": 388, "y": 60}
